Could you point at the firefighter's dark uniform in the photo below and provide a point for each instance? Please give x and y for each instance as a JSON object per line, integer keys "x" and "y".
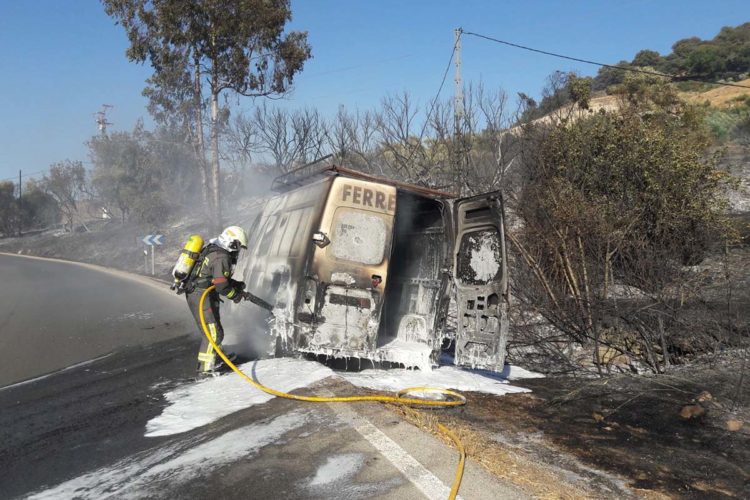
{"x": 216, "y": 269}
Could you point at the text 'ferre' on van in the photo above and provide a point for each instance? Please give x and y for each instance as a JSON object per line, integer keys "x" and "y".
{"x": 365, "y": 267}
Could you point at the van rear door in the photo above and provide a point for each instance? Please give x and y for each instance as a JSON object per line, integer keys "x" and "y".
{"x": 480, "y": 275}
{"x": 351, "y": 268}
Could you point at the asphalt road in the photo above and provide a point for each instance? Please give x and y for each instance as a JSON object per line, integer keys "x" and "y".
{"x": 81, "y": 432}
{"x": 54, "y": 314}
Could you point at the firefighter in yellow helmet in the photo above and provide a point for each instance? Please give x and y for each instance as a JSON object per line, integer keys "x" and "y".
{"x": 215, "y": 267}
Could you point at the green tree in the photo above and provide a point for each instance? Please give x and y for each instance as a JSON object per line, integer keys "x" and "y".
{"x": 727, "y": 55}
{"x": 608, "y": 76}
{"x": 705, "y": 61}
{"x": 38, "y": 208}
{"x": 683, "y": 48}
{"x": 646, "y": 58}
{"x": 142, "y": 174}
{"x": 202, "y": 49}
{"x": 66, "y": 183}
{"x": 9, "y": 214}
{"x": 579, "y": 90}
{"x": 555, "y": 95}
{"x": 121, "y": 167}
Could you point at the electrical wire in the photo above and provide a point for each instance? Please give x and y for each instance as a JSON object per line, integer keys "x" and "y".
{"x": 586, "y": 61}
{"x": 23, "y": 176}
{"x": 434, "y": 101}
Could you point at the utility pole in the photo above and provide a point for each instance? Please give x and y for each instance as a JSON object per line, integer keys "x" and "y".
{"x": 458, "y": 93}
{"x": 458, "y": 111}
{"x": 20, "y": 204}
{"x": 101, "y": 118}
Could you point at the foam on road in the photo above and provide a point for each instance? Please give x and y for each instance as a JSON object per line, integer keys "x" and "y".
{"x": 197, "y": 404}
{"x": 145, "y": 474}
{"x": 443, "y": 377}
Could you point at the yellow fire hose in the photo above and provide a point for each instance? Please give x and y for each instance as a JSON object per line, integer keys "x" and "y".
{"x": 398, "y": 399}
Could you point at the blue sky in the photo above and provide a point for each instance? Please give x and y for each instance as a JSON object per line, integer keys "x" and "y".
{"x": 61, "y": 60}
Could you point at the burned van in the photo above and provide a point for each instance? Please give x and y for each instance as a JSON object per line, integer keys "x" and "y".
{"x": 365, "y": 267}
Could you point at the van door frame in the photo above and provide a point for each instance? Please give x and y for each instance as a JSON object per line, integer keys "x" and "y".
{"x": 482, "y": 308}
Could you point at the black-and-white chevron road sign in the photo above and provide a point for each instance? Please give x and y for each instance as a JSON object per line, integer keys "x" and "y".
{"x": 153, "y": 239}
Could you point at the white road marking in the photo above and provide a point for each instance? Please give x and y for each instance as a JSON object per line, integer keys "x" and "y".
{"x": 154, "y": 283}
{"x": 427, "y": 482}
{"x": 46, "y": 375}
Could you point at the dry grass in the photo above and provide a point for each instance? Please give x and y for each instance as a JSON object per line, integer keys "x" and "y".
{"x": 505, "y": 462}
{"x": 720, "y": 97}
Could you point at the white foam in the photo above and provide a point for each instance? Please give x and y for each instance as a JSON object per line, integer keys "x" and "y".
{"x": 512, "y": 372}
{"x": 444, "y": 377}
{"x": 200, "y": 403}
{"x": 338, "y": 468}
{"x": 197, "y": 404}
{"x": 484, "y": 255}
{"x": 145, "y": 474}
{"x": 409, "y": 354}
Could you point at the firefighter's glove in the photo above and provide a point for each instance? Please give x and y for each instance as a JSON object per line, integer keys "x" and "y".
{"x": 238, "y": 296}
{"x": 237, "y": 286}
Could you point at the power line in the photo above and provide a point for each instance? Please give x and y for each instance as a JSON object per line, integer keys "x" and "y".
{"x": 440, "y": 89}
{"x": 32, "y": 174}
{"x": 437, "y": 96}
{"x": 621, "y": 68}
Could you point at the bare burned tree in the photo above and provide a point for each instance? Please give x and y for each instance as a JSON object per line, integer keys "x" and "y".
{"x": 290, "y": 138}
{"x": 309, "y": 132}
{"x": 341, "y": 135}
{"x": 399, "y": 139}
{"x": 402, "y": 151}
{"x": 473, "y": 155}
{"x": 427, "y": 146}
{"x": 498, "y": 147}
{"x": 275, "y": 137}
{"x": 360, "y": 131}
{"x": 241, "y": 140}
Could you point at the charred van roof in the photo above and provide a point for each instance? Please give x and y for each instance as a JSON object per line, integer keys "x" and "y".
{"x": 304, "y": 175}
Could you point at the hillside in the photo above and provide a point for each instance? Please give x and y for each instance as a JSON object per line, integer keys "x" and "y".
{"x": 719, "y": 97}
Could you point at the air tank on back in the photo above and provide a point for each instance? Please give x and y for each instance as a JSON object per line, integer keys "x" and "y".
{"x": 186, "y": 261}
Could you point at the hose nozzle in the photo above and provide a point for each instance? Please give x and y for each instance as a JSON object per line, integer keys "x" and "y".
{"x": 257, "y": 301}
